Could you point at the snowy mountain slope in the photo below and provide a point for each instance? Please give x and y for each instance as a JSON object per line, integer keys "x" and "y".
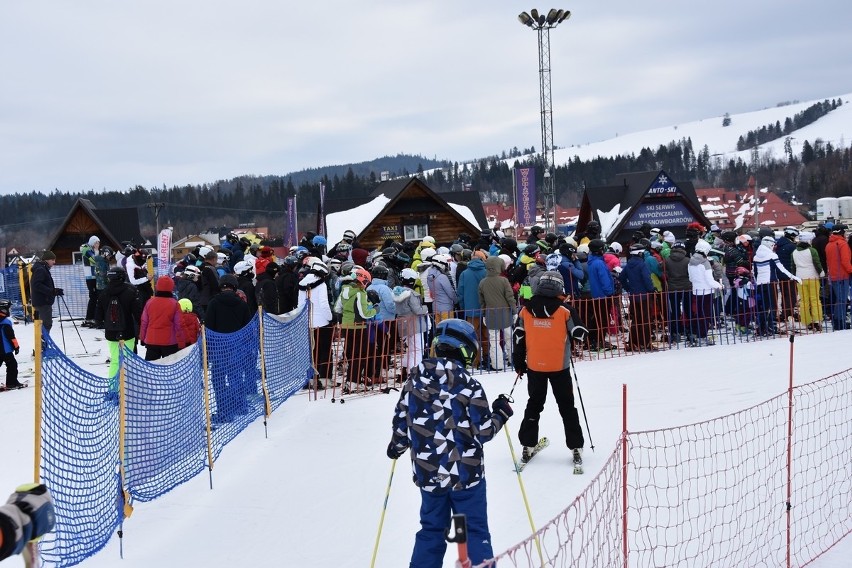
{"x": 835, "y": 127}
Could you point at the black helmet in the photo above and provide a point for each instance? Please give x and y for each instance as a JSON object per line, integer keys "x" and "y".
{"x": 550, "y": 238}
{"x": 536, "y": 229}
{"x": 593, "y": 225}
{"x": 389, "y": 252}
{"x": 5, "y": 306}
{"x": 232, "y": 238}
{"x": 128, "y": 250}
{"x": 229, "y": 281}
{"x": 597, "y": 246}
{"x": 380, "y": 271}
{"x": 509, "y": 244}
{"x": 116, "y": 274}
{"x": 107, "y": 253}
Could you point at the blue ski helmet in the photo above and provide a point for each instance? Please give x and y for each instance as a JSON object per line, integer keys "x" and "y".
{"x": 456, "y": 339}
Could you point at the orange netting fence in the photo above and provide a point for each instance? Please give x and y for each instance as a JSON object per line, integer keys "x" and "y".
{"x": 766, "y": 486}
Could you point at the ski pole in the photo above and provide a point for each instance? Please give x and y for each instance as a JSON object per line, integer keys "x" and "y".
{"x": 74, "y": 323}
{"x": 459, "y": 536}
{"x": 582, "y": 406}
{"x": 517, "y": 378}
{"x": 524, "y": 494}
{"x": 382, "y": 519}
{"x": 61, "y": 328}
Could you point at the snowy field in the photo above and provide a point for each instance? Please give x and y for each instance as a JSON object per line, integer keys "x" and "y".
{"x": 311, "y": 494}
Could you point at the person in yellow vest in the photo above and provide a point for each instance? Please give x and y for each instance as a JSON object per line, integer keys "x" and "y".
{"x": 544, "y": 329}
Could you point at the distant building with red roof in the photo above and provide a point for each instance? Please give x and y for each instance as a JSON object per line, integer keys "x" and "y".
{"x": 732, "y": 209}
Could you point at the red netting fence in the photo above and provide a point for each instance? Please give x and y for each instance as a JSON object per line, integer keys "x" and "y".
{"x": 766, "y": 486}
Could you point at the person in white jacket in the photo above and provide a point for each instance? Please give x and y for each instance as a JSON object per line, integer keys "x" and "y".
{"x": 703, "y": 288}
{"x": 765, "y": 266}
{"x": 314, "y": 292}
{"x": 808, "y": 267}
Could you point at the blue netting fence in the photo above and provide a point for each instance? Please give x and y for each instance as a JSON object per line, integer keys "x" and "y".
{"x": 174, "y": 425}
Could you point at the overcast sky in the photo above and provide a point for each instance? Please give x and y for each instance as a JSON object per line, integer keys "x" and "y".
{"x": 110, "y": 94}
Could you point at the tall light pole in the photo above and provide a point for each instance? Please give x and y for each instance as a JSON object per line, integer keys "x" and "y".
{"x": 542, "y": 25}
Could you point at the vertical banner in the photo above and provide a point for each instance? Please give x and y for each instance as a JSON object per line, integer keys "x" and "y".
{"x": 524, "y": 197}
{"x": 291, "y": 235}
{"x": 321, "y": 211}
{"x": 164, "y": 252}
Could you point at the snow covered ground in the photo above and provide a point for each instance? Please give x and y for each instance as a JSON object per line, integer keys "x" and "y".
{"x": 311, "y": 494}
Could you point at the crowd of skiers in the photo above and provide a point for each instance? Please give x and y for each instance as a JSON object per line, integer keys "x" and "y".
{"x": 391, "y": 297}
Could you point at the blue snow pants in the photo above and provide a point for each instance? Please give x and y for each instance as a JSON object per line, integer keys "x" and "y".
{"x": 435, "y": 514}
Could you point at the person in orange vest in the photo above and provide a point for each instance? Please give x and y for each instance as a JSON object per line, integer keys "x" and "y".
{"x": 544, "y": 329}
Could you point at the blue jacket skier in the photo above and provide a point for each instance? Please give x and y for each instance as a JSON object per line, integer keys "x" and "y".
{"x": 444, "y": 418}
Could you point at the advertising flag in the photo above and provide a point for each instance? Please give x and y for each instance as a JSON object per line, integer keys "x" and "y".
{"x": 164, "y": 252}
{"x": 525, "y": 197}
{"x": 291, "y": 236}
{"x": 321, "y": 211}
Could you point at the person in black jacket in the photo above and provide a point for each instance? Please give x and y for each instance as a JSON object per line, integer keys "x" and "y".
{"x": 209, "y": 280}
{"x": 43, "y": 292}
{"x": 266, "y": 289}
{"x": 186, "y": 286}
{"x": 287, "y": 284}
{"x": 228, "y": 313}
{"x": 244, "y": 272}
{"x": 119, "y": 307}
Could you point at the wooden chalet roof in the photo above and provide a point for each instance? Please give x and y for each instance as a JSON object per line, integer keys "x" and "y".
{"x": 387, "y": 199}
{"x": 113, "y": 226}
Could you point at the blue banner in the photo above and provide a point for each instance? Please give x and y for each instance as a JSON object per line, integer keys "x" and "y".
{"x": 660, "y": 214}
{"x": 525, "y": 203}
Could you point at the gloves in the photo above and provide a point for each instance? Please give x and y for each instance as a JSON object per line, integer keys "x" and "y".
{"x": 520, "y": 367}
{"x": 15, "y": 346}
{"x": 579, "y": 334}
{"x": 373, "y": 297}
{"x": 393, "y": 452}
{"x": 17, "y": 350}
{"x": 27, "y": 515}
{"x": 501, "y": 406}
{"x": 797, "y": 279}
{"x": 59, "y": 291}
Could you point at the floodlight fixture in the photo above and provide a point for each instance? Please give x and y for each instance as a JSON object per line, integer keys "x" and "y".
{"x": 525, "y": 19}
{"x": 564, "y": 16}
{"x": 534, "y": 14}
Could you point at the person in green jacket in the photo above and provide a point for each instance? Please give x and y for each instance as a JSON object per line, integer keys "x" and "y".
{"x": 356, "y": 310}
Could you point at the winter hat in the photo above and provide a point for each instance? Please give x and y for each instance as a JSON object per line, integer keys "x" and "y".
{"x": 507, "y": 260}
{"x": 480, "y": 254}
{"x": 428, "y": 241}
{"x": 550, "y": 285}
{"x": 48, "y": 255}
{"x": 669, "y": 237}
{"x": 703, "y": 247}
{"x": 185, "y": 305}
{"x": 806, "y": 237}
{"x": 93, "y": 240}
{"x": 272, "y": 268}
{"x": 768, "y": 241}
{"x": 443, "y": 250}
{"x": 637, "y": 249}
{"x": 349, "y": 235}
{"x": 165, "y": 284}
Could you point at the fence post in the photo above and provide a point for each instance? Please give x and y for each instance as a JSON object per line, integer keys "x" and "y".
{"x": 790, "y": 447}
{"x": 206, "y": 377}
{"x": 624, "y": 472}
{"x": 38, "y": 408}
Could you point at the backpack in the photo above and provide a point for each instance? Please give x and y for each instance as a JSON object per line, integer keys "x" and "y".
{"x": 114, "y": 319}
